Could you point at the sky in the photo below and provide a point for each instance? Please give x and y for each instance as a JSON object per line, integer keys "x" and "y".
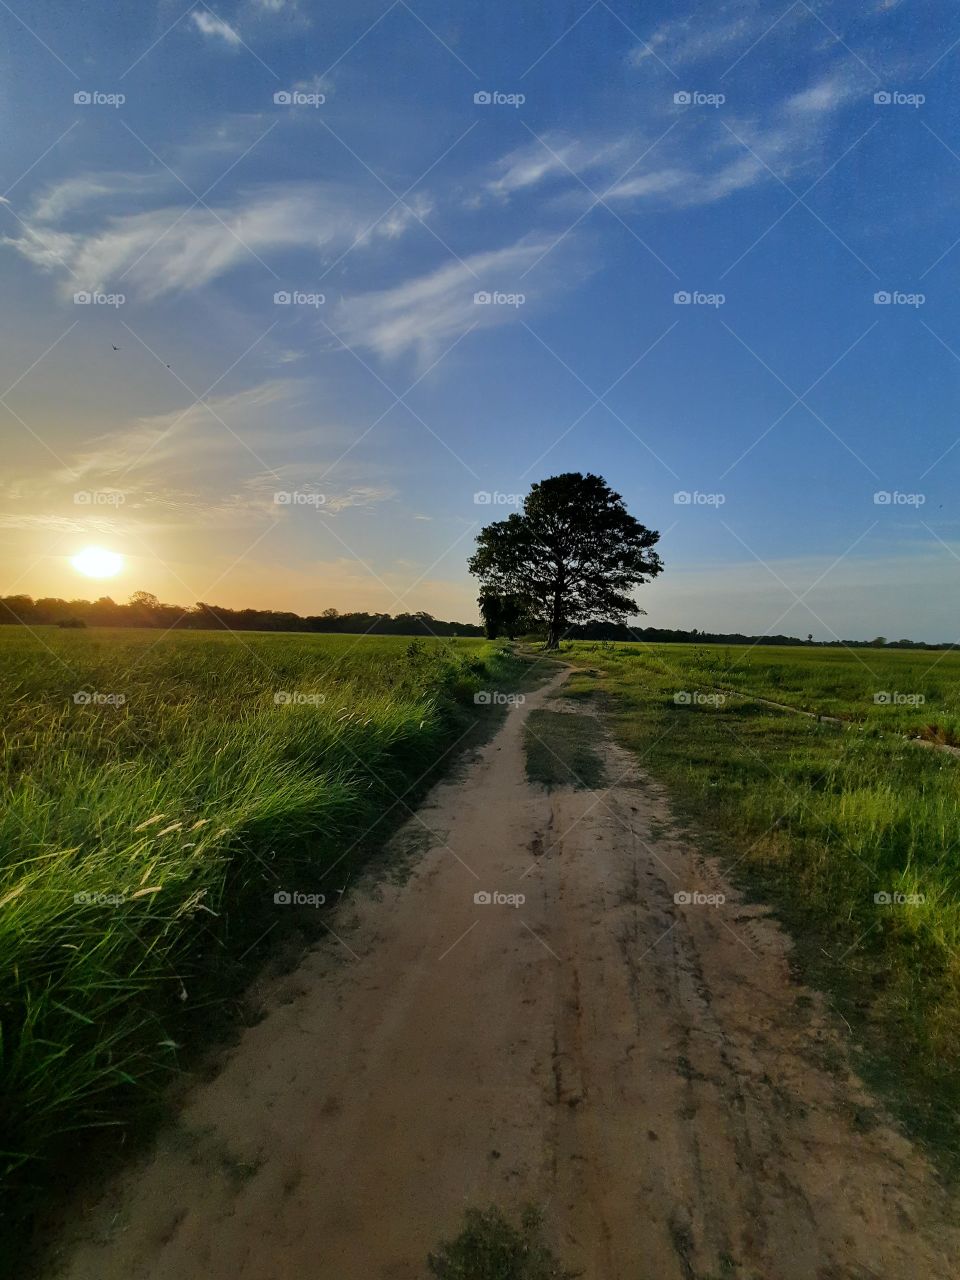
{"x": 297, "y": 296}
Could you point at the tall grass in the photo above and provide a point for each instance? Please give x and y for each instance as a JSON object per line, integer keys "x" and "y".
{"x": 144, "y": 838}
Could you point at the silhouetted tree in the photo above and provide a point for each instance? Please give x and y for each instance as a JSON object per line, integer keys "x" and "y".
{"x": 573, "y": 553}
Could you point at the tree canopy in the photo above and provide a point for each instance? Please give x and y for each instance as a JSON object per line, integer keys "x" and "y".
{"x": 572, "y": 555}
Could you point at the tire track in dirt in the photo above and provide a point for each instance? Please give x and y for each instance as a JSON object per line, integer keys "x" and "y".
{"x": 648, "y": 1072}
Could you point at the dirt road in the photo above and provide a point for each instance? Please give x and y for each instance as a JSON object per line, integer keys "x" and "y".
{"x": 647, "y": 1070}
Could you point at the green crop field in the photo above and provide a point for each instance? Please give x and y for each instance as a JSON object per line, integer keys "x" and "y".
{"x": 916, "y": 692}
{"x": 850, "y": 830}
{"x": 158, "y": 791}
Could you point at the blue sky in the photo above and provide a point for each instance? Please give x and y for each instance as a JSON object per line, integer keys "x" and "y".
{"x": 734, "y": 154}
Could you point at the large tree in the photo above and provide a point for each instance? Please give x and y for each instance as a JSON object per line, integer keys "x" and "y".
{"x": 572, "y": 554}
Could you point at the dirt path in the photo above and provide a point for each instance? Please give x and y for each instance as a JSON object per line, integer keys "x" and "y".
{"x": 649, "y": 1072}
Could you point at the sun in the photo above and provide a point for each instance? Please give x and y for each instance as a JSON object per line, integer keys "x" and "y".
{"x": 97, "y": 562}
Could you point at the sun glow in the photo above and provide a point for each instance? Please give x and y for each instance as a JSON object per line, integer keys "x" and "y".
{"x": 97, "y": 562}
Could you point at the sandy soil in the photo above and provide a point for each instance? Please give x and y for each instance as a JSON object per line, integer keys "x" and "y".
{"x": 649, "y": 1072}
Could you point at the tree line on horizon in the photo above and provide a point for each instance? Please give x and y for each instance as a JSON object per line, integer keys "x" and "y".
{"x": 145, "y": 610}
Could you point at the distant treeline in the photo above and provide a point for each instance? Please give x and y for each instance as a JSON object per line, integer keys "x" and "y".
{"x": 616, "y": 631}
{"x": 145, "y": 610}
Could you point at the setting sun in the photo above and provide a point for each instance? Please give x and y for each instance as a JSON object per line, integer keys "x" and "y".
{"x": 96, "y": 562}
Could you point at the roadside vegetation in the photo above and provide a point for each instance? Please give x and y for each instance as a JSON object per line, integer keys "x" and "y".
{"x": 165, "y": 801}
{"x": 852, "y": 833}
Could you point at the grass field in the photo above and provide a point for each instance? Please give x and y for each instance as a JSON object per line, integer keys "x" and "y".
{"x": 911, "y": 691}
{"x": 819, "y": 819}
{"x": 158, "y": 792}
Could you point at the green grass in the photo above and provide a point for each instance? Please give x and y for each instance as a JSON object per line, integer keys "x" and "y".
{"x": 561, "y": 750}
{"x": 910, "y": 692}
{"x": 818, "y": 819}
{"x": 146, "y": 830}
{"x": 490, "y": 1248}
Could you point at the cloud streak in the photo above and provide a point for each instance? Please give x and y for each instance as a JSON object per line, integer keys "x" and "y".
{"x": 179, "y": 249}
{"x": 215, "y": 28}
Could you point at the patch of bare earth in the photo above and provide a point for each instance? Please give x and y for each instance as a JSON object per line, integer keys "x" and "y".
{"x": 648, "y": 1071}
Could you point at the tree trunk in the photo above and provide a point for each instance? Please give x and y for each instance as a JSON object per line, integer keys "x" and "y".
{"x": 556, "y": 618}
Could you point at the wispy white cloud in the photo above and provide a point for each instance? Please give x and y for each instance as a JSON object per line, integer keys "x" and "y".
{"x": 696, "y": 162}
{"x": 430, "y": 311}
{"x": 539, "y": 162}
{"x": 726, "y": 30}
{"x": 210, "y": 25}
{"x": 189, "y": 470}
{"x": 178, "y": 249}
